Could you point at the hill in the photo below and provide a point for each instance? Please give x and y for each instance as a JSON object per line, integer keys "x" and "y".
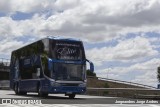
{"x": 96, "y": 83}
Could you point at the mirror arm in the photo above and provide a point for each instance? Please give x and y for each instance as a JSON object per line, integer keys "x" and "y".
{"x": 90, "y": 64}
{"x": 88, "y": 61}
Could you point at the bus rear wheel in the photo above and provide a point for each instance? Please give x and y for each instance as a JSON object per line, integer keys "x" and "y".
{"x": 72, "y": 96}
{"x": 17, "y": 90}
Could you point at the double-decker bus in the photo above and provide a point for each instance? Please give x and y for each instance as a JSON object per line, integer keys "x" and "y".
{"x": 50, "y": 65}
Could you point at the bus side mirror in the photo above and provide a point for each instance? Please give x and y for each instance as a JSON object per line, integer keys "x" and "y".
{"x": 50, "y": 64}
{"x": 91, "y": 65}
{"x": 38, "y": 72}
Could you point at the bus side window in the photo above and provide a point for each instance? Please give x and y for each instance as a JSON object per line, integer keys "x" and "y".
{"x": 36, "y": 72}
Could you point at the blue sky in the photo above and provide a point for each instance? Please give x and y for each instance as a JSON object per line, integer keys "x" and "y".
{"x": 122, "y": 42}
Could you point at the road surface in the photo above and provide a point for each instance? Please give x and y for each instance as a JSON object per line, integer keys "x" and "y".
{"x": 83, "y": 100}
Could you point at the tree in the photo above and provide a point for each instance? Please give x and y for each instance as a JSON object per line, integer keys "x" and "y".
{"x": 89, "y": 73}
{"x": 158, "y": 74}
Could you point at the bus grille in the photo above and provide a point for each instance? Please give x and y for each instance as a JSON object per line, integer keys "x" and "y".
{"x": 70, "y": 88}
{"x": 69, "y": 84}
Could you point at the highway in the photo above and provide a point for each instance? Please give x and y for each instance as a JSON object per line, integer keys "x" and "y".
{"x": 61, "y": 99}
{"x": 79, "y": 99}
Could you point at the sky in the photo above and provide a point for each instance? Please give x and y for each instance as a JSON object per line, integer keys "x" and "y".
{"x": 121, "y": 37}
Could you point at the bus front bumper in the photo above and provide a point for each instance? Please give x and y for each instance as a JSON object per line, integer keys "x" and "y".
{"x": 68, "y": 90}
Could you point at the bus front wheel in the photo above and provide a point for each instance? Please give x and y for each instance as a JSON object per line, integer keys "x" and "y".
{"x": 72, "y": 96}
{"x": 41, "y": 94}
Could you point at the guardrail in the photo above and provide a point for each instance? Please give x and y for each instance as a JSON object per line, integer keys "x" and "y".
{"x": 124, "y": 82}
{"x": 122, "y": 89}
{"x": 127, "y": 92}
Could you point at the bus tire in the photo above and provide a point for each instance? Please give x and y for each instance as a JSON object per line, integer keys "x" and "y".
{"x": 41, "y": 94}
{"x": 72, "y": 96}
{"x": 23, "y": 93}
{"x": 17, "y": 90}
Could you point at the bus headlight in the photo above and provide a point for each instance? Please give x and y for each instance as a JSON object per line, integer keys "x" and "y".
{"x": 85, "y": 80}
{"x": 54, "y": 84}
{"x": 82, "y": 85}
{"x": 57, "y": 84}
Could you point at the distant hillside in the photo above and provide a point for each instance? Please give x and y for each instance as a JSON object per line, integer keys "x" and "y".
{"x": 94, "y": 82}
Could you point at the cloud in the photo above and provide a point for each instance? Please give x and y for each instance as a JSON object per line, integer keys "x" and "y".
{"x": 11, "y": 6}
{"x": 66, "y": 4}
{"x": 148, "y": 65}
{"x": 36, "y": 6}
{"x": 7, "y": 46}
{"x": 129, "y": 50}
{"x": 135, "y": 13}
{"x": 148, "y": 78}
{"x": 144, "y": 73}
{"x": 90, "y": 20}
{"x": 149, "y": 72}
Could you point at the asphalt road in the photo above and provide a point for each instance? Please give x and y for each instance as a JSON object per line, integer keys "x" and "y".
{"x": 83, "y": 100}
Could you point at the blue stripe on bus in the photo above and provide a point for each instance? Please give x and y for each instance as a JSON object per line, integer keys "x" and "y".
{"x": 69, "y": 62}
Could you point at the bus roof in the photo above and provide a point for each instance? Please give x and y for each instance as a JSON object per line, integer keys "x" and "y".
{"x": 62, "y": 38}
{"x": 53, "y": 38}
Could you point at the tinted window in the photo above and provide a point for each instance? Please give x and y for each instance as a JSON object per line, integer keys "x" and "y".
{"x": 69, "y": 72}
{"x": 68, "y": 50}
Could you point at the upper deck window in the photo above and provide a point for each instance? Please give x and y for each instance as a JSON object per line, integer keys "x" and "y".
{"x": 67, "y": 50}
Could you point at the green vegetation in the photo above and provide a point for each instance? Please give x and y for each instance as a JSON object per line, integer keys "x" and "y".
{"x": 89, "y": 73}
{"x": 106, "y": 86}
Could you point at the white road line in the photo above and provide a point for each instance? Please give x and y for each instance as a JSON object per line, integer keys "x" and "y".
{"x": 11, "y": 94}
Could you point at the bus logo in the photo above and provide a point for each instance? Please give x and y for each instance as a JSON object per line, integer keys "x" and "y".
{"x": 66, "y": 51}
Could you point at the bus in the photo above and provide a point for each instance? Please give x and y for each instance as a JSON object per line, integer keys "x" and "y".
{"x": 50, "y": 65}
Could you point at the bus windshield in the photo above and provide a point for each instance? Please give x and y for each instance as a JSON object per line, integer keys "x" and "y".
{"x": 68, "y": 72}
{"x": 64, "y": 50}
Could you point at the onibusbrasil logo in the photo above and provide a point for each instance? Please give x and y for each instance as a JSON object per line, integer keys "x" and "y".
{"x": 21, "y": 101}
